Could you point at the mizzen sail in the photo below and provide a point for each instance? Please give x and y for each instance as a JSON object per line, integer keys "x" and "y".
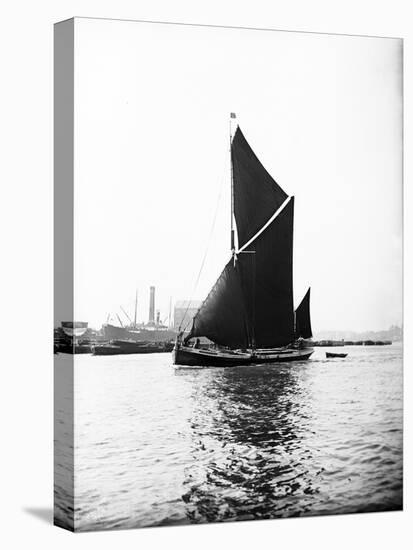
{"x": 302, "y": 318}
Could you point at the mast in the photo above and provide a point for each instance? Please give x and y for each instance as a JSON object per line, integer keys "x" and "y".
{"x": 253, "y": 300}
{"x": 232, "y": 115}
{"x": 136, "y": 307}
{"x": 129, "y": 319}
{"x": 252, "y": 284}
{"x": 251, "y": 321}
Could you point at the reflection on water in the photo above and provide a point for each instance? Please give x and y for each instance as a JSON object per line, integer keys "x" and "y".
{"x": 248, "y": 430}
{"x": 63, "y": 441}
{"x": 154, "y": 446}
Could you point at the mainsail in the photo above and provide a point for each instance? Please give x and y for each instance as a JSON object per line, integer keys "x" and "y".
{"x": 302, "y": 318}
{"x": 251, "y": 304}
{"x": 222, "y": 316}
{"x": 256, "y": 195}
{"x": 269, "y": 292}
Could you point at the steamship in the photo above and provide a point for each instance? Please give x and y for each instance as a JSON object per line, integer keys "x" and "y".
{"x": 153, "y": 331}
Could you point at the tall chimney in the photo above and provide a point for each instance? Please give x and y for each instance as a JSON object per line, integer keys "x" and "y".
{"x": 152, "y": 305}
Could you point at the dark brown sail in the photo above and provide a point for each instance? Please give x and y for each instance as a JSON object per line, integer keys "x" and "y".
{"x": 251, "y": 304}
{"x": 302, "y": 318}
{"x": 269, "y": 300}
{"x": 222, "y": 316}
{"x": 257, "y": 196}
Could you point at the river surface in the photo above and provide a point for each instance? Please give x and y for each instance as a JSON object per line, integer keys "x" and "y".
{"x": 159, "y": 446}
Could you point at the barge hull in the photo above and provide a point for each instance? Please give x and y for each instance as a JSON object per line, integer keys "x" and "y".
{"x": 203, "y": 358}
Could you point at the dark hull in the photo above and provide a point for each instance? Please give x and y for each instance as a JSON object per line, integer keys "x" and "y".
{"x": 129, "y": 344}
{"x": 204, "y": 358}
{"x": 73, "y": 349}
{"x": 342, "y": 355}
{"x": 109, "y": 349}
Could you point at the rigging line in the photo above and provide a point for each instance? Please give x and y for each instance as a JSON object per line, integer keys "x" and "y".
{"x": 205, "y": 256}
{"x": 210, "y": 293}
{"x": 264, "y": 227}
{"x": 207, "y": 247}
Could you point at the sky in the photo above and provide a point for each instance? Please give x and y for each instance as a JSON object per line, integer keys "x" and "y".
{"x": 323, "y": 113}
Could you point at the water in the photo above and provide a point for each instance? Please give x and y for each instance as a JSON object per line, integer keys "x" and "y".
{"x": 155, "y": 446}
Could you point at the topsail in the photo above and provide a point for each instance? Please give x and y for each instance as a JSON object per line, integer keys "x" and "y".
{"x": 257, "y": 196}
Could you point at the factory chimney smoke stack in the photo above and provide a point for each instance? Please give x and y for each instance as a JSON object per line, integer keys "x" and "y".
{"x": 152, "y": 305}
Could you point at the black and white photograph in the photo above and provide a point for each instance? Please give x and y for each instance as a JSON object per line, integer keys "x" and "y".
{"x": 228, "y": 318}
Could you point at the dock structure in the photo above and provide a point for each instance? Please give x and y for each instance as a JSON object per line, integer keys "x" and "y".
{"x": 184, "y": 312}
{"x": 340, "y": 343}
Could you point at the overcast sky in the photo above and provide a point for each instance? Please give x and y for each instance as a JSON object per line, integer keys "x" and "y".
{"x": 322, "y": 112}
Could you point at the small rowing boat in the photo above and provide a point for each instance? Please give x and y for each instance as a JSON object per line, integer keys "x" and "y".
{"x": 331, "y": 355}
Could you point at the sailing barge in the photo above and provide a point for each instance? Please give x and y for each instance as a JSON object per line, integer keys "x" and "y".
{"x": 249, "y": 313}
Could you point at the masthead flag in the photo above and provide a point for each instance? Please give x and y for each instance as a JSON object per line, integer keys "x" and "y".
{"x": 233, "y": 115}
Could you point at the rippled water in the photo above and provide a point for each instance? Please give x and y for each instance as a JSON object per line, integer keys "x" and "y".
{"x": 155, "y": 446}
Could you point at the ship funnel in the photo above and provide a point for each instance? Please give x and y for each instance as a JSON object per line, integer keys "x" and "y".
{"x": 152, "y": 305}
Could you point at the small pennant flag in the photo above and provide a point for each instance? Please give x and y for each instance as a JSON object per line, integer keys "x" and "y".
{"x": 233, "y": 115}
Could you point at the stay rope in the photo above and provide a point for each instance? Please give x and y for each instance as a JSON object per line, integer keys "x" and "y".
{"x": 207, "y": 248}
